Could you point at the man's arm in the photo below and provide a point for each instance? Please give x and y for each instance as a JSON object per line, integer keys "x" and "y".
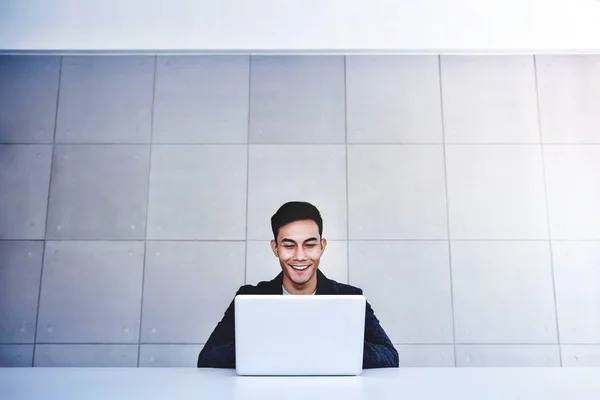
{"x": 219, "y": 350}
{"x": 379, "y": 352}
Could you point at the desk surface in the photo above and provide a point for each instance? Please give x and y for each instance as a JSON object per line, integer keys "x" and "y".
{"x": 191, "y": 383}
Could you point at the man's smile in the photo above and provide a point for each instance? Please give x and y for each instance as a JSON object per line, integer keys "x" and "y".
{"x": 299, "y": 267}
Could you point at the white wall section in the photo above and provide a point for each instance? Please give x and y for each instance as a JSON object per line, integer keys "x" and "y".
{"x": 309, "y": 25}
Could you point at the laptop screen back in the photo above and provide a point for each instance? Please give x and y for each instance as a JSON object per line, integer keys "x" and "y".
{"x": 299, "y": 335}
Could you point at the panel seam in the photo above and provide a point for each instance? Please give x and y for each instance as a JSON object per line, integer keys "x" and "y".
{"x": 544, "y": 177}
{"x": 147, "y": 211}
{"x": 45, "y": 241}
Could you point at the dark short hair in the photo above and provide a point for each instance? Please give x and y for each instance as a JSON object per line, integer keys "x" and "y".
{"x": 295, "y": 211}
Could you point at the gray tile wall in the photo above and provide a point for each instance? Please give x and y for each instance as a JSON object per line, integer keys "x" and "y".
{"x": 462, "y": 193}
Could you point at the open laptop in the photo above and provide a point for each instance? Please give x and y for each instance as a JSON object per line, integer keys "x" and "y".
{"x": 299, "y": 335}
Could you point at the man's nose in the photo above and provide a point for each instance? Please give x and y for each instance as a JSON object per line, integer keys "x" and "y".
{"x": 299, "y": 254}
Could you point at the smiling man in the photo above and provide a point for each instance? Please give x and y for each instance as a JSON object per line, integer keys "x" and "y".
{"x": 298, "y": 244}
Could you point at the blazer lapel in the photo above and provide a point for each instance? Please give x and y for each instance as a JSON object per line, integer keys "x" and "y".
{"x": 274, "y": 286}
{"x": 324, "y": 285}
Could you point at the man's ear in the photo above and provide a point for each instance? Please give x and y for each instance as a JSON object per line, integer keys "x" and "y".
{"x": 323, "y": 245}
{"x": 274, "y": 248}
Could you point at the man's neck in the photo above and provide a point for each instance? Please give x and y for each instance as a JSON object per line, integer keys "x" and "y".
{"x": 308, "y": 288}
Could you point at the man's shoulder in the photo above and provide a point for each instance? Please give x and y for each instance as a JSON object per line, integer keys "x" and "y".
{"x": 263, "y": 287}
{"x": 342, "y": 288}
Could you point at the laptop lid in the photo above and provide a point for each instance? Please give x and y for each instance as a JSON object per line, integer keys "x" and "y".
{"x": 299, "y": 335}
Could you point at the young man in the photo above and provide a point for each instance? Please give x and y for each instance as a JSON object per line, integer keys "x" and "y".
{"x": 298, "y": 244}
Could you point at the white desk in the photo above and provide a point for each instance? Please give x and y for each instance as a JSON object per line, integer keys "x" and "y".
{"x": 397, "y": 384}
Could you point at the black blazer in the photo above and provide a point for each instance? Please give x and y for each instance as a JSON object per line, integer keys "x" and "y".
{"x": 219, "y": 350}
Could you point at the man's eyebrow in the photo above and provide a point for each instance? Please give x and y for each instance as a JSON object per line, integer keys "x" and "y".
{"x": 292, "y": 241}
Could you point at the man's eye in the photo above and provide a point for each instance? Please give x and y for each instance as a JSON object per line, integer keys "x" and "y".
{"x": 310, "y": 245}
{"x": 288, "y": 246}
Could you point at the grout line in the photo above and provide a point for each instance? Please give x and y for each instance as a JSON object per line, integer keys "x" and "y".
{"x": 75, "y": 144}
{"x": 308, "y": 143}
{"x": 25, "y": 143}
{"x": 448, "y": 240}
{"x": 537, "y": 96}
{"x": 247, "y": 167}
{"x": 148, "y": 240}
{"x": 491, "y": 143}
{"x": 572, "y": 144}
{"x": 329, "y": 240}
{"x": 305, "y": 51}
{"x": 100, "y": 343}
{"x": 104, "y": 344}
{"x": 22, "y": 240}
{"x": 154, "y": 144}
{"x": 147, "y": 209}
{"x": 507, "y": 344}
{"x": 297, "y": 143}
{"x": 199, "y": 344}
{"x": 447, "y": 210}
{"x": 37, "y": 316}
{"x": 82, "y": 343}
{"x": 347, "y": 179}
{"x": 575, "y": 240}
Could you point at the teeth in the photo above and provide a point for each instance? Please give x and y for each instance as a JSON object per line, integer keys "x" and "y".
{"x": 300, "y": 268}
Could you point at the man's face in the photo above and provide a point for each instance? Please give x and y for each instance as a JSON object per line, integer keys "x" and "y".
{"x": 299, "y": 248}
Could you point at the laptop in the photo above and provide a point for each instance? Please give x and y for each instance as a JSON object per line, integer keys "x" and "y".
{"x": 299, "y": 335}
